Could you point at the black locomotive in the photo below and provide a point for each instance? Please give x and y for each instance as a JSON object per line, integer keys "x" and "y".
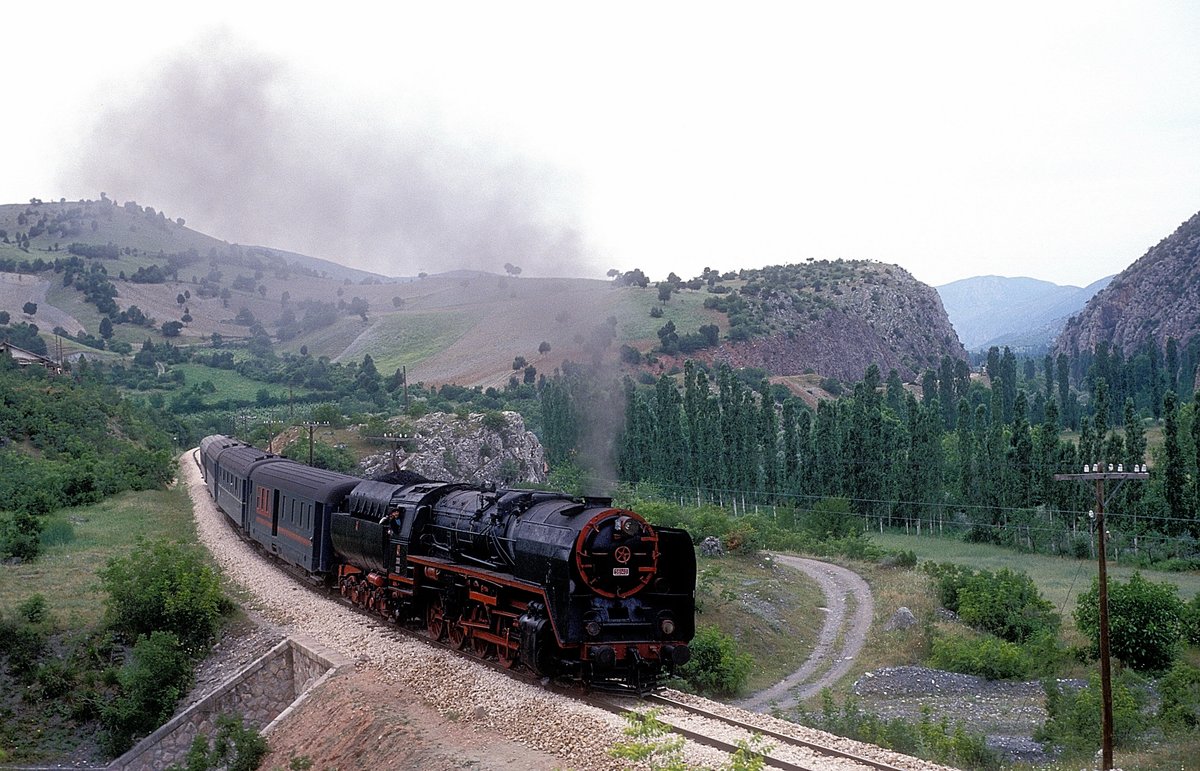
{"x": 565, "y": 586}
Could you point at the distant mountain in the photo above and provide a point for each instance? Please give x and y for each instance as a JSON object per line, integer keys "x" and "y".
{"x": 1025, "y": 314}
{"x": 1155, "y": 298}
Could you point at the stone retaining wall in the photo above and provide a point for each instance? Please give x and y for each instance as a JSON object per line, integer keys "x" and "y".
{"x": 262, "y": 693}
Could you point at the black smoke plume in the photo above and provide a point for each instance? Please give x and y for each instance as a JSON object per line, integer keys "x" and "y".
{"x": 233, "y": 141}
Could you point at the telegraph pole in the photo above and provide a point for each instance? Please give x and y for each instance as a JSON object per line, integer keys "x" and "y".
{"x": 312, "y": 425}
{"x": 1097, "y": 473}
{"x": 395, "y": 440}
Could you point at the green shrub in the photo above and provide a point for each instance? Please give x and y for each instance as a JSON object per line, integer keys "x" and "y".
{"x": 150, "y": 685}
{"x": 34, "y": 609}
{"x": 1191, "y": 621}
{"x": 495, "y": 421}
{"x": 904, "y": 558}
{"x": 54, "y": 679}
{"x": 857, "y": 546}
{"x": 708, "y": 520}
{"x": 950, "y": 579}
{"x": 1145, "y": 621}
{"x": 651, "y": 745}
{"x": 1006, "y": 604}
{"x": 1179, "y": 689}
{"x": 665, "y": 514}
{"x": 23, "y": 643}
{"x": 234, "y": 747}
{"x": 986, "y": 656}
{"x": 163, "y": 586}
{"x": 716, "y": 666}
{"x": 1073, "y": 721}
{"x": 20, "y": 536}
{"x": 929, "y": 738}
{"x": 324, "y": 455}
{"x": 830, "y": 519}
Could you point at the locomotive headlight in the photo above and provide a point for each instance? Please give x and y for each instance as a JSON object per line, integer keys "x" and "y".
{"x": 592, "y": 628}
{"x": 629, "y": 526}
{"x": 667, "y": 625}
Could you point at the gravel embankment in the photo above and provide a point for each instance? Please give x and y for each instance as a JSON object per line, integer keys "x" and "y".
{"x": 577, "y": 734}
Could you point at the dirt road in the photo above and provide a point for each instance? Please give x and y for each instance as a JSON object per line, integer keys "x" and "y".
{"x": 849, "y": 608}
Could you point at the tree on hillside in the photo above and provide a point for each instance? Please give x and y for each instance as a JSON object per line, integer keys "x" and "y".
{"x": 512, "y": 270}
{"x": 633, "y": 277}
{"x": 359, "y": 307}
{"x": 29, "y": 308}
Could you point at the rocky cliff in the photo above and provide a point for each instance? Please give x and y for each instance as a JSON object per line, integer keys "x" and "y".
{"x": 838, "y": 317}
{"x": 491, "y": 447}
{"x": 1155, "y": 298}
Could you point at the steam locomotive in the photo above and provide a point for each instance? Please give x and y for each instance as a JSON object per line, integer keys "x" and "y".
{"x": 567, "y": 587}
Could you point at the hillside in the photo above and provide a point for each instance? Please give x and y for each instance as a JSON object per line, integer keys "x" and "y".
{"x": 1024, "y": 314}
{"x": 151, "y": 276}
{"x": 1155, "y": 298}
{"x": 836, "y": 318}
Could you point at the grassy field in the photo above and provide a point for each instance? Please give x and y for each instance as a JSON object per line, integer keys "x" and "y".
{"x": 231, "y": 385}
{"x": 65, "y": 574}
{"x": 408, "y": 338}
{"x": 685, "y": 308}
{"x": 1060, "y": 579}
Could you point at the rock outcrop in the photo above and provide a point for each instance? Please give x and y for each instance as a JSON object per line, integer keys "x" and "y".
{"x": 836, "y": 318}
{"x": 1155, "y": 298}
{"x": 492, "y": 447}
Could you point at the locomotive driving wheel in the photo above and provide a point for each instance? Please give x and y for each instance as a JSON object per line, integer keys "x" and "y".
{"x": 506, "y": 655}
{"x": 480, "y": 619}
{"x": 435, "y": 618}
{"x": 458, "y": 632}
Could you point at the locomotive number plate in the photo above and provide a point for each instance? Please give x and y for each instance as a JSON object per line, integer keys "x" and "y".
{"x": 620, "y": 571}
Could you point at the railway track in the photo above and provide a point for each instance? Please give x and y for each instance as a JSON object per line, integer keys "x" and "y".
{"x": 703, "y": 726}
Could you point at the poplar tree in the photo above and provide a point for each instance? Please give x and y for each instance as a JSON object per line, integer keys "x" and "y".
{"x": 560, "y": 421}
{"x": 1020, "y": 457}
{"x": 827, "y": 467}
{"x": 967, "y": 492}
{"x": 768, "y": 427}
{"x": 1174, "y": 477}
{"x": 930, "y": 461}
{"x": 806, "y": 453}
{"x": 668, "y": 451}
{"x": 865, "y": 453}
{"x": 790, "y": 448}
{"x": 946, "y": 391}
{"x": 894, "y": 398}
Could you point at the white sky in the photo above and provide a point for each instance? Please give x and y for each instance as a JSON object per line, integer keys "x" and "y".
{"x": 1052, "y": 140}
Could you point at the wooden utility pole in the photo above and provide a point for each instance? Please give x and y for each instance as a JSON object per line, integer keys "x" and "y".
{"x": 395, "y": 440}
{"x": 1096, "y": 474}
{"x": 312, "y": 425}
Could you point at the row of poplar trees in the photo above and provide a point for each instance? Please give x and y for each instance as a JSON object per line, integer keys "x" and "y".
{"x": 982, "y": 468}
